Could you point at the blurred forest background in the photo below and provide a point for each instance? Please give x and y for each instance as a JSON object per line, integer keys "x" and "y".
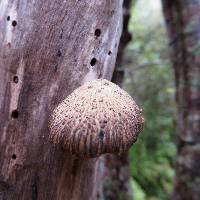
{"x": 149, "y": 79}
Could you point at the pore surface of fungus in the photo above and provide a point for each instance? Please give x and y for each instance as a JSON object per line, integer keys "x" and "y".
{"x": 98, "y": 117}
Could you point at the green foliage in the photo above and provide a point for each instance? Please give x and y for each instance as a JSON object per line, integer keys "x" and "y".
{"x": 149, "y": 79}
{"x": 139, "y": 194}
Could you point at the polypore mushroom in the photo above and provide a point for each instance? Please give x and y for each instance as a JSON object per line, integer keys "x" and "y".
{"x": 98, "y": 117}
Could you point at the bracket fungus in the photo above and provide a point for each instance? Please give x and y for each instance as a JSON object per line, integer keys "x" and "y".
{"x": 98, "y": 117}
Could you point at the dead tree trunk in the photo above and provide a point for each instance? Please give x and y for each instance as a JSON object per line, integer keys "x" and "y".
{"x": 116, "y": 182}
{"x": 47, "y": 49}
{"x": 183, "y": 23}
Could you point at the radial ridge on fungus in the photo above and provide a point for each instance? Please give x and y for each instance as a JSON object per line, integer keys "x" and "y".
{"x": 98, "y": 117}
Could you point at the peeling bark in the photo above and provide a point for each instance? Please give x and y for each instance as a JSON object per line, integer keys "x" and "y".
{"x": 126, "y": 37}
{"x": 183, "y": 24}
{"x": 47, "y": 49}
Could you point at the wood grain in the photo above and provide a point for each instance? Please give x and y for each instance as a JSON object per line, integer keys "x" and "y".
{"x": 46, "y": 48}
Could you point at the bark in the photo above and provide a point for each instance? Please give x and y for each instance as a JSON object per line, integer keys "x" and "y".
{"x": 183, "y": 24}
{"x": 126, "y": 37}
{"x": 47, "y": 49}
{"x": 116, "y": 179}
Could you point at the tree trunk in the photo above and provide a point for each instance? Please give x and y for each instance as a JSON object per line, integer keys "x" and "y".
{"x": 118, "y": 74}
{"x": 183, "y": 24}
{"x": 47, "y": 49}
{"x": 116, "y": 180}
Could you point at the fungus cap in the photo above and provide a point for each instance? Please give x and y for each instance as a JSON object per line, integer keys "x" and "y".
{"x": 98, "y": 117}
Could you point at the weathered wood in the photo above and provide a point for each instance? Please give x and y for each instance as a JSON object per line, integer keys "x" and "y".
{"x": 49, "y": 48}
{"x": 116, "y": 183}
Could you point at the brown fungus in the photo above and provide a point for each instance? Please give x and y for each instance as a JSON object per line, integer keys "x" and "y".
{"x": 98, "y": 117}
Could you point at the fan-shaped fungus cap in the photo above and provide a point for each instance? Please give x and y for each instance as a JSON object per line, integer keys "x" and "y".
{"x": 98, "y": 117}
